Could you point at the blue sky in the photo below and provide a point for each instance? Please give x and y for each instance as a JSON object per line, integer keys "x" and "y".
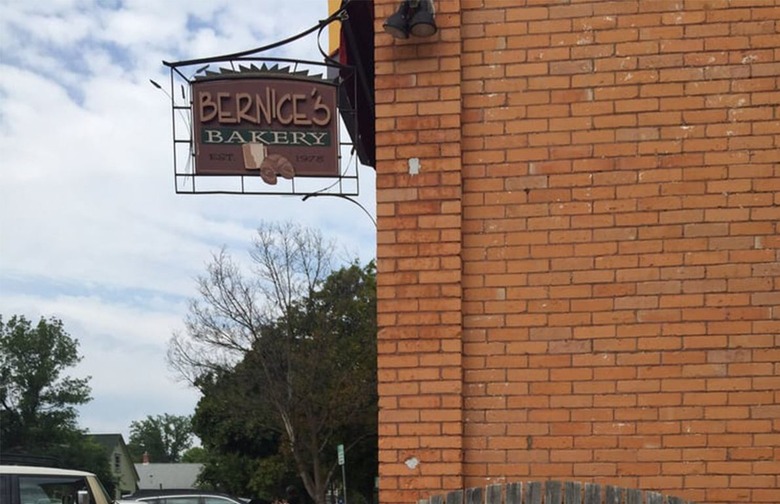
{"x": 91, "y": 230}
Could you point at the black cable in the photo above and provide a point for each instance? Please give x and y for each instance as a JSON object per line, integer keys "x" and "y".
{"x": 339, "y": 15}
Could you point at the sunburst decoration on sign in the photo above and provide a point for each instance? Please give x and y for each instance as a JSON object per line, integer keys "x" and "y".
{"x": 254, "y": 71}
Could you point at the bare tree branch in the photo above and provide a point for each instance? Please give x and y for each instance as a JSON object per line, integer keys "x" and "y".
{"x": 286, "y": 350}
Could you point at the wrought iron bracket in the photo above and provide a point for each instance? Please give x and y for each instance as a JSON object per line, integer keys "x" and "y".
{"x": 258, "y": 61}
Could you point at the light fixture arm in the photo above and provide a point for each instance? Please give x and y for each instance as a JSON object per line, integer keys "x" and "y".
{"x": 345, "y": 197}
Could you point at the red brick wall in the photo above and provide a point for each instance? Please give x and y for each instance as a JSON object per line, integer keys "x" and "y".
{"x": 418, "y": 95}
{"x": 583, "y": 280}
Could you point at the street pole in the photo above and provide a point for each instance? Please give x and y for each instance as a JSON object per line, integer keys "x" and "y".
{"x": 343, "y": 471}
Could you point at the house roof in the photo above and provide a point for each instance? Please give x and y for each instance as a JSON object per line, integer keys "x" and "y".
{"x": 107, "y": 440}
{"x": 162, "y": 476}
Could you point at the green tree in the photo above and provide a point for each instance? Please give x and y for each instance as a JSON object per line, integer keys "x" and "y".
{"x": 242, "y": 453}
{"x": 286, "y": 361}
{"x": 164, "y": 438}
{"x": 37, "y": 401}
{"x": 194, "y": 455}
{"x": 82, "y": 453}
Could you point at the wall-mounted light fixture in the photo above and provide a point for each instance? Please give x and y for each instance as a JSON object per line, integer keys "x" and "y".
{"x": 415, "y": 17}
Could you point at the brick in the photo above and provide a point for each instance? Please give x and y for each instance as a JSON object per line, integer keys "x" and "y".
{"x": 616, "y": 199}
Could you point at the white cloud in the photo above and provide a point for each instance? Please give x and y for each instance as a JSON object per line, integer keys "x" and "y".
{"x": 91, "y": 230}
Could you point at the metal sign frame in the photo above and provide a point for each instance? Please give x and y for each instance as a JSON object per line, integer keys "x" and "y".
{"x": 253, "y": 64}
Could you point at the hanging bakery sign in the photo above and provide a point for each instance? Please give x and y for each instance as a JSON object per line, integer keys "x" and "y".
{"x": 265, "y": 122}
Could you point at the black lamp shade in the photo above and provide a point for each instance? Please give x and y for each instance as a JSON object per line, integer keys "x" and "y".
{"x": 422, "y": 23}
{"x": 397, "y": 25}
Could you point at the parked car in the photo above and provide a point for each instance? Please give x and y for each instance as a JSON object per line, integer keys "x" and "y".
{"x": 184, "y": 497}
{"x": 48, "y": 485}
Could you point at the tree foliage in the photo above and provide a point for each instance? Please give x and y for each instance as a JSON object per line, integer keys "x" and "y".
{"x": 165, "y": 438}
{"x": 286, "y": 361}
{"x": 38, "y": 402}
{"x": 38, "y": 416}
{"x": 194, "y": 455}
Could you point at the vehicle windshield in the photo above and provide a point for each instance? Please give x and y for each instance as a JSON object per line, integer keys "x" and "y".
{"x": 61, "y": 489}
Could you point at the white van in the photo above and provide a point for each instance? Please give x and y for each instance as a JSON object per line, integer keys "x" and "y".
{"x": 48, "y": 485}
